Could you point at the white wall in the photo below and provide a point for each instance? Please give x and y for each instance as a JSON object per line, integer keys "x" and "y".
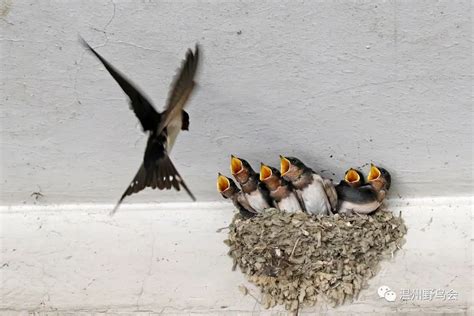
{"x": 337, "y": 84}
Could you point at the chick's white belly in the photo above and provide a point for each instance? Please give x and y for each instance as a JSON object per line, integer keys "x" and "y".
{"x": 366, "y": 208}
{"x": 315, "y": 199}
{"x": 257, "y": 201}
{"x": 290, "y": 204}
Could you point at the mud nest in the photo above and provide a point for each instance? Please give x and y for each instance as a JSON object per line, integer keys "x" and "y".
{"x": 298, "y": 259}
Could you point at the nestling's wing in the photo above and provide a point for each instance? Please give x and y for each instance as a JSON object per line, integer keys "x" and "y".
{"x": 356, "y": 195}
{"x": 148, "y": 116}
{"x": 243, "y": 203}
{"x": 181, "y": 88}
{"x": 264, "y": 190}
{"x": 243, "y": 211}
{"x": 330, "y": 192}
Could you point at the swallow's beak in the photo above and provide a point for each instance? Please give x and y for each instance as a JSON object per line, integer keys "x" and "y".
{"x": 265, "y": 172}
{"x": 284, "y": 165}
{"x": 222, "y": 183}
{"x": 351, "y": 176}
{"x": 374, "y": 173}
{"x": 235, "y": 165}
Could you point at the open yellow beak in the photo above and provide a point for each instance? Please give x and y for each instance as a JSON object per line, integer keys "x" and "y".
{"x": 235, "y": 165}
{"x": 351, "y": 176}
{"x": 284, "y": 165}
{"x": 222, "y": 183}
{"x": 265, "y": 172}
{"x": 374, "y": 173}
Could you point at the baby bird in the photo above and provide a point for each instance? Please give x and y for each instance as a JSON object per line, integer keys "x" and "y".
{"x": 254, "y": 191}
{"x": 317, "y": 193}
{"x": 355, "y": 196}
{"x": 354, "y": 178}
{"x": 229, "y": 190}
{"x": 380, "y": 179}
{"x": 280, "y": 190}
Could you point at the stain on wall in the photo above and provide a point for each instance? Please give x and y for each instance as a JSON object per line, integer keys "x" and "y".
{"x": 5, "y": 6}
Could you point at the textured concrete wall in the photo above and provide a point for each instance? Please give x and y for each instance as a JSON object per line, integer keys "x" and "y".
{"x": 337, "y": 84}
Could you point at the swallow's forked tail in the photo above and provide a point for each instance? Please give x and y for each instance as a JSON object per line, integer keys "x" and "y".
{"x": 162, "y": 175}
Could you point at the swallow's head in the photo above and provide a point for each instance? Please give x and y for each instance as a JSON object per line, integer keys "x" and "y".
{"x": 226, "y": 186}
{"x": 240, "y": 169}
{"x": 379, "y": 178}
{"x": 270, "y": 176}
{"x": 354, "y": 178}
{"x": 291, "y": 168}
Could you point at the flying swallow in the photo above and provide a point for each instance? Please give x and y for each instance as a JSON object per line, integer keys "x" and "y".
{"x": 157, "y": 170}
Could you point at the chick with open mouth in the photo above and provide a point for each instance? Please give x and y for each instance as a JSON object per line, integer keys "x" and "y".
{"x": 355, "y": 196}
{"x": 353, "y": 178}
{"x": 229, "y": 190}
{"x": 254, "y": 191}
{"x": 317, "y": 193}
{"x": 280, "y": 190}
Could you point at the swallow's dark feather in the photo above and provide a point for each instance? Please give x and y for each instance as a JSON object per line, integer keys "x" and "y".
{"x": 243, "y": 211}
{"x": 148, "y": 116}
{"x": 185, "y": 123}
{"x": 155, "y": 177}
{"x": 358, "y": 195}
{"x": 181, "y": 89}
{"x": 157, "y": 170}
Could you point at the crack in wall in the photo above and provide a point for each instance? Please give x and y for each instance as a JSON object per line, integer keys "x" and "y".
{"x": 79, "y": 64}
{"x": 150, "y": 267}
{"x": 135, "y": 45}
{"x": 104, "y": 29}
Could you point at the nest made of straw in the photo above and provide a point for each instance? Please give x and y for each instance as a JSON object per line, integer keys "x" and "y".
{"x": 297, "y": 259}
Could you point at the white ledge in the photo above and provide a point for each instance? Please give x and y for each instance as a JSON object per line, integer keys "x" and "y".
{"x": 214, "y": 205}
{"x": 169, "y": 259}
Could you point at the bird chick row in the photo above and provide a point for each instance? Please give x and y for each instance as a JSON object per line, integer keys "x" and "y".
{"x": 296, "y": 187}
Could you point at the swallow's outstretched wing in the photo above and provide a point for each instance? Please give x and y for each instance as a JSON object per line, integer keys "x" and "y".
{"x": 331, "y": 193}
{"x": 181, "y": 89}
{"x": 148, "y": 116}
{"x": 156, "y": 171}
